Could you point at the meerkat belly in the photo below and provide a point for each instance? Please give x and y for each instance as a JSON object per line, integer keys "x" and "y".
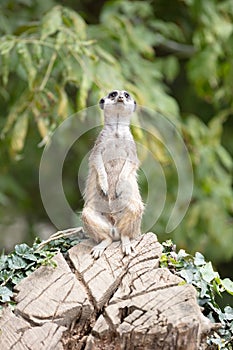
{"x": 114, "y": 158}
{"x": 113, "y": 169}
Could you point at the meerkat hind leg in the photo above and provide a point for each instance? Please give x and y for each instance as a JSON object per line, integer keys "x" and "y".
{"x": 99, "y": 248}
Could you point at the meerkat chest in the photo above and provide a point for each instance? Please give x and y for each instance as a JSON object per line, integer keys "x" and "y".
{"x": 115, "y": 149}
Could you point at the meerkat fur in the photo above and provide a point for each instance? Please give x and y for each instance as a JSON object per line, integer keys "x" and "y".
{"x": 113, "y": 206}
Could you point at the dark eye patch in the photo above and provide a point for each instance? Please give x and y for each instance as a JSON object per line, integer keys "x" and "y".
{"x": 112, "y": 94}
{"x": 126, "y": 94}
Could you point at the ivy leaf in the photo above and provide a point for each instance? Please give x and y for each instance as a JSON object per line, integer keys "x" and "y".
{"x": 199, "y": 259}
{"x": 204, "y": 289}
{"x": 228, "y": 285}
{"x": 16, "y": 262}
{"x": 3, "y": 260}
{"x": 207, "y": 272}
{"x": 21, "y": 249}
{"x": 25, "y": 252}
{"x": 228, "y": 310}
{"x": 5, "y": 294}
{"x": 187, "y": 275}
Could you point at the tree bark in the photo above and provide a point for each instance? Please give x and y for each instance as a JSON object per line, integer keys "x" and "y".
{"x": 115, "y": 302}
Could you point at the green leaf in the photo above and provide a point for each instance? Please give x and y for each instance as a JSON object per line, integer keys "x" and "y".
{"x": 21, "y": 249}
{"x": 103, "y": 54}
{"x": 3, "y": 260}
{"x": 27, "y": 63}
{"x": 5, "y": 294}
{"x": 6, "y": 44}
{"x": 203, "y": 289}
{"x": 16, "y": 262}
{"x": 62, "y": 107}
{"x": 187, "y": 275}
{"x": 72, "y": 20}
{"x": 51, "y": 22}
{"x": 5, "y": 67}
{"x": 199, "y": 259}
{"x": 19, "y": 133}
{"x": 228, "y": 310}
{"x": 228, "y": 285}
{"x": 83, "y": 92}
{"x": 25, "y": 252}
{"x": 207, "y": 272}
{"x": 225, "y": 157}
{"x": 171, "y": 68}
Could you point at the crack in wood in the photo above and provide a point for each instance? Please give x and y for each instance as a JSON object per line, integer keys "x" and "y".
{"x": 45, "y": 290}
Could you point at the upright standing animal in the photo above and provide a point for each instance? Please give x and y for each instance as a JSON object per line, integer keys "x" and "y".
{"x": 113, "y": 206}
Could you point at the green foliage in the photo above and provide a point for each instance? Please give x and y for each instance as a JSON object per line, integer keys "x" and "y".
{"x": 196, "y": 271}
{"x": 24, "y": 260}
{"x": 173, "y": 56}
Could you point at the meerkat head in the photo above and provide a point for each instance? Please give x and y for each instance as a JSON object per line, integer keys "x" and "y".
{"x": 118, "y": 101}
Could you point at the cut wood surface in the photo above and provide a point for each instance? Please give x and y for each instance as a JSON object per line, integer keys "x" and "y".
{"x": 115, "y": 302}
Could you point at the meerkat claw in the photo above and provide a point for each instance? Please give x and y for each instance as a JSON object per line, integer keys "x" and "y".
{"x": 127, "y": 248}
{"x": 104, "y": 193}
{"x": 117, "y": 194}
{"x": 96, "y": 252}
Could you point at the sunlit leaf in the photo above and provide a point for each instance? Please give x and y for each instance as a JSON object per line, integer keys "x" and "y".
{"x": 5, "y": 68}
{"x": 225, "y": 158}
{"x": 43, "y": 127}
{"x": 19, "y": 133}
{"x": 74, "y": 21}
{"x": 51, "y": 22}
{"x": 83, "y": 92}
{"x": 207, "y": 272}
{"x": 105, "y": 55}
{"x": 199, "y": 259}
{"x": 62, "y": 108}
{"x": 228, "y": 285}
{"x": 27, "y": 62}
{"x": 6, "y": 44}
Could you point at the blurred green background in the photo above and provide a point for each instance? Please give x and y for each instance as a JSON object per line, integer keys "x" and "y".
{"x": 175, "y": 56}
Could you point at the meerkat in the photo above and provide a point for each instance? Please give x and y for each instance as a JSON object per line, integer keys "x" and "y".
{"x": 113, "y": 206}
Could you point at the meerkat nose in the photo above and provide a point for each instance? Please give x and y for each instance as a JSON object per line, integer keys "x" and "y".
{"x": 120, "y": 99}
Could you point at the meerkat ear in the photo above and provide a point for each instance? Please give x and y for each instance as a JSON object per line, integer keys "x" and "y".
{"x": 135, "y": 106}
{"x": 101, "y": 103}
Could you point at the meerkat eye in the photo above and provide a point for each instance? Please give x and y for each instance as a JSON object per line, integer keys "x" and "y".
{"x": 112, "y": 94}
{"x": 126, "y": 95}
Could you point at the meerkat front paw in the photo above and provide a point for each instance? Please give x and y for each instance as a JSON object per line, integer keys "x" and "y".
{"x": 103, "y": 182}
{"x": 121, "y": 187}
{"x": 98, "y": 250}
{"x": 126, "y": 244}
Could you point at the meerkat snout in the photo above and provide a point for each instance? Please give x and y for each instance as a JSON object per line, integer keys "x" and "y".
{"x": 118, "y": 99}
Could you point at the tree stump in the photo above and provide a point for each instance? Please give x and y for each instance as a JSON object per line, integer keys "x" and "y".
{"x": 115, "y": 302}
